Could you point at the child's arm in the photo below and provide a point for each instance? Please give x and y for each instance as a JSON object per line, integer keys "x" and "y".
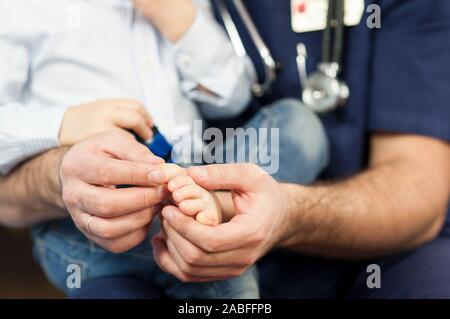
{"x": 212, "y": 74}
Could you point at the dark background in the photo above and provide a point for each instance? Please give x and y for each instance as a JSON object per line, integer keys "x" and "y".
{"x": 20, "y": 276}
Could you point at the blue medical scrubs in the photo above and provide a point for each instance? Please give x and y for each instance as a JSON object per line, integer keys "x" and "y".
{"x": 399, "y": 77}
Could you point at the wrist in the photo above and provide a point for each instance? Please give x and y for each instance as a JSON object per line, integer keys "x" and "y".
{"x": 51, "y": 193}
{"x": 66, "y": 125}
{"x": 290, "y": 214}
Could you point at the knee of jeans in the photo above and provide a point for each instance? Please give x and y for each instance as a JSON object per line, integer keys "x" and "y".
{"x": 302, "y": 136}
{"x": 243, "y": 287}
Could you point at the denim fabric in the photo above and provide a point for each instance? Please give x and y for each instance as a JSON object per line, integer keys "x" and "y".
{"x": 303, "y": 145}
{"x": 303, "y": 153}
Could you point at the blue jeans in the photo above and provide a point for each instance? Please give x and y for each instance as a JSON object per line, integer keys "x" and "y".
{"x": 301, "y": 154}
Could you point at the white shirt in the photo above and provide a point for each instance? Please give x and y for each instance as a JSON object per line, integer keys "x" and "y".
{"x": 58, "y": 53}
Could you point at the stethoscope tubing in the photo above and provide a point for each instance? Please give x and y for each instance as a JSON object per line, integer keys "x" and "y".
{"x": 270, "y": 66}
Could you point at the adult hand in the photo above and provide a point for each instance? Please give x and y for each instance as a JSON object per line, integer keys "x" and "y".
{"x": 196, "y": 253}
{"x": 171, "y": 17}
{"x": 116, "y": 219}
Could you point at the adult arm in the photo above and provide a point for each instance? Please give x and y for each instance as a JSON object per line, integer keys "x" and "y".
{"x": 118, "y": 218}
{"x": 397, "y": 204}
{"x": 31, "y": 193}
{"x": 400, "y": 202}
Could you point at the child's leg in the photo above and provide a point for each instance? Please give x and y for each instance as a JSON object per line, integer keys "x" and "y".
{"x": 59, "y": 247}
{"x": 243, "y": 287}
{"x": 291, "y": 142}
{"x": 64, "y": 252}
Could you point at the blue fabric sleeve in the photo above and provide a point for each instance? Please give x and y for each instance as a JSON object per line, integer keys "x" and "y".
{"x": 411, "y": 69}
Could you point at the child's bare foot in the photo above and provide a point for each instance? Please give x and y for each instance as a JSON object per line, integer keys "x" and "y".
{"x": 194, "y": 200}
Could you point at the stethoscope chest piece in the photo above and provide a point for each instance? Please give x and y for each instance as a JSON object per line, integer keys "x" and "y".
{"x": 323, "y": 91}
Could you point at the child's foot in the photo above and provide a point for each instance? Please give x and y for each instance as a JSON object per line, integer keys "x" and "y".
{"x": 194, "y": 200}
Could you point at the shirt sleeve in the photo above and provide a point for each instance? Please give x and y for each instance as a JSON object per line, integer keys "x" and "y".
{"x": 204, "y": 56}
{"x": 411, "y": 69}
{"x": 25, "y": 130}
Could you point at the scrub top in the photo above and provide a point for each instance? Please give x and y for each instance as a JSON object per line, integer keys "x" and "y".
{"x": 398, "y": 75}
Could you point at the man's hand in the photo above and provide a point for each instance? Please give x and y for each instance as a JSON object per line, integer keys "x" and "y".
{"x": 195, "y": 252}
{"x": 116, "y": 219}
{"x": 171, "y": 17}
{"x": 399, "y": 203}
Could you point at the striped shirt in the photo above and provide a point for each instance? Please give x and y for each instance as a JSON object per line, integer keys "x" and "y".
{"x": 58, "y": 53}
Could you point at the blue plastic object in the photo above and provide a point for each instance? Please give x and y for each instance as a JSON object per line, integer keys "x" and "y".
{"x": 160, "y": 146}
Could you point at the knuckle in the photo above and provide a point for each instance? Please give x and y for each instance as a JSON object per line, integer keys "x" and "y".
{"x": 186, "y": 269}
{"x": 237, "y": 272}
{"x": 148, "y": 216}
{"x": 134, "y": 173}
{"x": 116, "y": 249}
{"x": 193, "y": 257}
{"x": 255, "y": 170}
{"x": 143, "y": 151}
{"x": 212, "y": 245}
{"x": 184, "y": 229}
{"x": 69, "y": 197}
{"x": 258, "y": 237}
{"x": 103, "y": 174}
{"x": 105, "y": 232}
{"x": 183, "y": 278}
{"x": 99, "y": 205}
{"x": 136, "y": 119}
{"x": 249, "y": 259}
{"x": 136, "y": 104}
{"x": 68, "y": 165}
{"x": 220, "y": 173}
{"x": 115, "y": 135}
{"x": 143, "y": 201}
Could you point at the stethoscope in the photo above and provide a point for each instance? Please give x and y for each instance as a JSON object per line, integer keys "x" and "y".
{"x": 322, "y": 90}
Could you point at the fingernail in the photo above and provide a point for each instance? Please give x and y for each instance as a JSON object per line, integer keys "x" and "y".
{"x": 156, "y": 176}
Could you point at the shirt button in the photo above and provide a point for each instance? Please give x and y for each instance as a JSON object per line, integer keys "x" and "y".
{"x": 185, "y": 61}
